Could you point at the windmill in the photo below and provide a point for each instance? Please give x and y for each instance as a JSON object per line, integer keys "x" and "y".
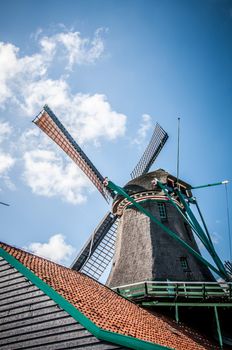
{"x": 149, "y": 235}
{"x": 98, "y": 251}
{"x": 136, "y": 207}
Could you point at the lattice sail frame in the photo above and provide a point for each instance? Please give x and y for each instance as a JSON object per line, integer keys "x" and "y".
{"x": 50, "y": 125}
{"x": 99, "y": 249}
{"x": 154, "y": 147}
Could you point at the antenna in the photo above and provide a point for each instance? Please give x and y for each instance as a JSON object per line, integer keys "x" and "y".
{"x": 178, "y": 152}
{"x": 228, "y": 219}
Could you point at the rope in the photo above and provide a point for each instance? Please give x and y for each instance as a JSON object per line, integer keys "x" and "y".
{"x": 228, "y": 221}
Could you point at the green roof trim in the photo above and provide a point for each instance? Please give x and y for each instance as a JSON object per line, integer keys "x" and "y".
{"x": 124, "y": 340}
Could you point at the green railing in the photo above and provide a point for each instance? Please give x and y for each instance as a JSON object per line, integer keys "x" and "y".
{"x": 176, "y": 290}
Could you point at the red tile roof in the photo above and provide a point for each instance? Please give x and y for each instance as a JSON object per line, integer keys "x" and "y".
{"x": 107, "y": 309}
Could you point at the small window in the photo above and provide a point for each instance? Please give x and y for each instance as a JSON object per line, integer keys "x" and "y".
{"x": 162, "y": 211}
{"x": 184, "y": 263}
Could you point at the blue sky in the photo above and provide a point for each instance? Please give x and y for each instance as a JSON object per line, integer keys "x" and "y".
{"x": 110, "y": 70}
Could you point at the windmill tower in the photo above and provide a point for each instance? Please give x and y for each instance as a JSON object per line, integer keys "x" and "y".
{"x": 143, "y": 251}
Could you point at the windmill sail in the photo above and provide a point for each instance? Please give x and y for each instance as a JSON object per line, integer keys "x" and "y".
{"x": 99, "y": 249}
{"x": 154, "y": 147}
{"x": 228, "y": 266}
{"x": 50, "y": 124}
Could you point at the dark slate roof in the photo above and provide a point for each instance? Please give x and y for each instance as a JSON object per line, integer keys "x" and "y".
{"x": 106, "y": 309}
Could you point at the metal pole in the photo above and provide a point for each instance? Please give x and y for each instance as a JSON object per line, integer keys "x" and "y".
{"x": 177, "y": 313}
{"x": 228, "y": 221}
{"x": 218, "y": 327}
{"x": 209, "y": 185}
{"x": 178, "y": 153}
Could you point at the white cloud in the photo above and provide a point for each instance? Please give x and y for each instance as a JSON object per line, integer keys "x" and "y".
{"x": 6, "y": 162}
{"x": 17, "y": 72}
{"x": 47, "y": 175}
{"x": 75, "y": 49}
{"x": 6, "y": 159}
{"x": 27, "y": 83}
{"x": 8, "y": 64}
{"x": 56, "y": 249}
{"x": 5, "y": 131}
{"x": 88, "y": 117}
{"x": 215, "y": 236}
{"x": 144, "y": 127}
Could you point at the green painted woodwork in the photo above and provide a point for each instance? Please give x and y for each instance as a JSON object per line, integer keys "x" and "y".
{"x": 177, "y": 313}
{"x": 193, "y": 304}
{"x": 98, "y": 332}
{"x": 188, "y": 290}
{"x": 211, "y": 249}
{"x": 209, "y": 185}
{"x": 200, "y": 236}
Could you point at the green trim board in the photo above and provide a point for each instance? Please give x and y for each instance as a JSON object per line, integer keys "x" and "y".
{"x": 98, "y": 332}
{"x": 162, "y": 303}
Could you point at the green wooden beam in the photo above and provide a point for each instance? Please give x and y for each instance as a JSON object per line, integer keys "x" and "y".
{"x": 199, "y": 234}
{"x": 202, "y": 219}
{"x": 211, "y": 249}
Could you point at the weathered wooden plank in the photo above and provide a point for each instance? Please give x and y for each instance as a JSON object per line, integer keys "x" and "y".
{"x": 15, "y": 286}
{"x": 29, "y": 314}
{"x": 18, "y": 292}
{"x": 22, "y": 302}
{"x": 57, "y": 333}
{"x": 30, "y": 321}
{"x": 11, "y": 277}
{"x": 73, "y": 344}
{"x": 12, "y": 281}
{"x": 16, "y": 298}
{"x": 54, "y": 339}
{"x": 39, "y": 305}
{"x": 8, "y": 271}
{"x": 4, "y": 262}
